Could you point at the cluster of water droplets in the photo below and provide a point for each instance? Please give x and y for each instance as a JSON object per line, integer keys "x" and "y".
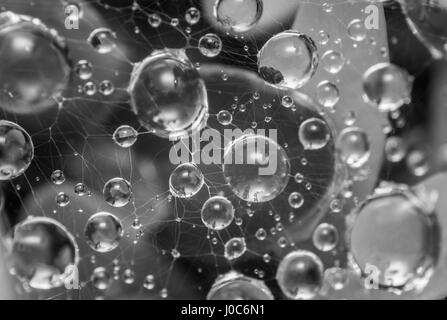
{"x": 168, "y": 95}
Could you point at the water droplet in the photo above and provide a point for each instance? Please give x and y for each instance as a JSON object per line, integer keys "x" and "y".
{"x": 16, "y": 150}
{"x": 395, "y": 237}
{"x": 168, "y": 95}
{"x": 35, "y": 66}
{"x": 357, "y": 30}
{"x": 224, "y": 117}
{"x": 327, "y": 94}
{"x": 323, "y": 37}
{"x": 235, "y": 286}
{"x": 103, "y": 232}
{"x": 89, "y": 88}
{"x": 149, "y": 282}
{"x": 325, "y": 237}
{"x": 235, "y": 248}
{"x": 117, "y": 192}
{"x": 154, "y": 20}
{"x": 80, "y": 189}
{"x": 336, "y": 277}
{"x": 100, "y": 278}
{"x": 57, "y": 177}
{"x": 353, "y": 147}
{"x": 83, "y": 69}
{"x": 395, "y": 149}
{"x": 287, "y": 101}
{"x": 333, "y": 61}
{"x": 300, "y": 275}
{"x": 288, "y": 60}
{"x": 250, "y": 179}
{"x": 54, "y": 241}
{"x": 125, "y": 136}
{"x": 186, "y": 180}
{"x": 106, "y": 88}
{"x": 238, "y": 15}
{"x": 296, "y": 200}
{"x": 314, "y": 134}
{"x": 102, "y": 40}
{"x": 217, "y": 213}
{"x": 417, "y": 163}
{"x": 192, "y": 16}
{"x": 128, "y": 276}
{"x": 62, "y": 199}
{"x": 387, "y": 86}
{"x": 261, "y": 234}
{"x": 210, "y": 45}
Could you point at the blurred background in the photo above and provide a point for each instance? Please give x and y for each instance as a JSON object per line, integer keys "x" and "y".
{"x": 173, "y": 256}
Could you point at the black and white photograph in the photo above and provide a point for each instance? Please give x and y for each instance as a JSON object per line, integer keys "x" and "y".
{"x": 187, "y": 151}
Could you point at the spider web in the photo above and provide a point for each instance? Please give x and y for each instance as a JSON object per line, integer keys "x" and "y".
{"x": 173, "y": 245}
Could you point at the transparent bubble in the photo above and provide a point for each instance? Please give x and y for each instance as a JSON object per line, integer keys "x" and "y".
{"x": 256, "y": 168}
{"x": 149, "y": 282}
{"x": 299, "y": 178}
{"x": 16, "y": 150}
{"x": 427, "y": 20}
{"x": 100, "y": 278}
{"x": 103, "y": 40}
{"x": 328, "y": 7}
{"x": 288, "y": 60}
{"x": 89, "y": 88}
{"x": 323, "y": 37}
{"x": 210, "y": 45}
{"x": 327, "y": 94}
{"x": 217, "y": 213}
{"x": 103, "y": 232}
{"x": 125, "y": 136}
{"x": 395, "y": 149}
{"x": 136, "y": 224}
{"x": 83, "y": 69}
{"x": 336, "y": 277}
{"x": 186, "y": 180}
{"x": 296, "y": 200}
{"x": 106, "y": 88}
{"x": 128, "y": 276}
{"x": 58, "y": 177}
{"x": 417, "y": 163}
{"x": 117, "y": 192}
{"x": 154, "y": 20}
{"x": 325, "y": 237}
{"x": 168, "y": 95}
{"x": 192, "y": 16}
{"x": 235, "y": 248}
{"x": 236, "y": 286}
{"x": 224, "y": 117}
{"x": 238, "y": 15}
{"x": 81, "y": 189}
{"x": 286, "y": 101}
{"x": 357, "y": 30}
{"x": 333, "y": 61}
{"x": 164, "y": 293}
{"x": 300, "y": 275}
{"x": 353, "y": 147}
{"x": 394, "y": 237}
{"x": 175, "y": 22}
{"x": 34, "y": 64}
{"x": 261, "y": 234}
{"x": 62, "y": 199}
{"x": 314, "y": 134}
{"x": 43, "y": 253}
{"x": 387, "y": 86}
{"x": 336, "y": 205}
